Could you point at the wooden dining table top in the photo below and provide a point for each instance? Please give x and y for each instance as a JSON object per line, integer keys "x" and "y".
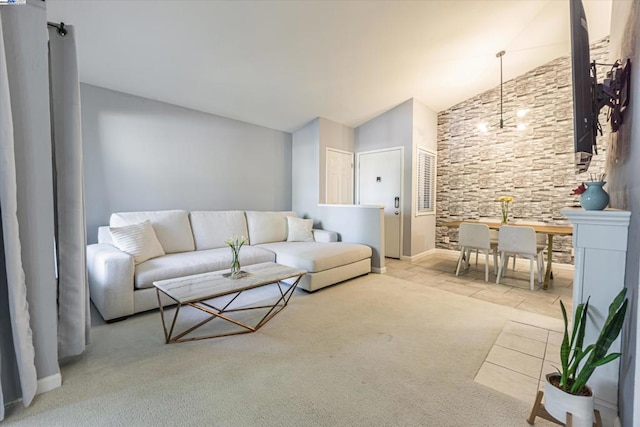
{"x": 558, "y": 230}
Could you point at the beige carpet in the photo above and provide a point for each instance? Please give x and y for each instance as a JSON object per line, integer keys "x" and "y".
{"x": 375, "y": 351}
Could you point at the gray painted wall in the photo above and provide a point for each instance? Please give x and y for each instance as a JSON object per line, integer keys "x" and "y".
{"x": 25, "y": 35}
{"x": 407, "y": 125}
{"x": 623, "y": 164}
{"x": 353, "y": 223}
{"x": 141, "y": 154}
{"x": 425, "y": 129}
{"x": 393, "y": 129}
{"x": 305, "y": 166}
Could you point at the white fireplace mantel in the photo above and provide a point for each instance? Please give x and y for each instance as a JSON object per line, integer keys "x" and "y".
{"x": 600, "y": 244}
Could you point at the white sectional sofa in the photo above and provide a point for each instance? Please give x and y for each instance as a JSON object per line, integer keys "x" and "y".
{"x": 194, "y": 242}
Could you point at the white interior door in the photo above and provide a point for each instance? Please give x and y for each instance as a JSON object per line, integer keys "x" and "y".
{"x": 380, "y": 183}
{"x": 339, "y": 185}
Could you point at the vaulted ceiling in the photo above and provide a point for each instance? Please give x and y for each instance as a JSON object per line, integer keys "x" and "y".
{"x": 280, "y": 64}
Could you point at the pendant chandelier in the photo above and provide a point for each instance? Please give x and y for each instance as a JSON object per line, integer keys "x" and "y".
{"x": 520, "y": 125}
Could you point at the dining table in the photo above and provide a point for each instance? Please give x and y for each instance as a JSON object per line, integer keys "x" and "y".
{"x": 549, "y": 229}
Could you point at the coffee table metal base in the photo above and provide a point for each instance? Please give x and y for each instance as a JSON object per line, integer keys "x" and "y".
{"x": 215, "y": 312}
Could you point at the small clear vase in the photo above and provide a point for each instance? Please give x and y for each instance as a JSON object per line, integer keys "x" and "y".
{"x": 235, "y": 265}
{"x": 505, "y": 213}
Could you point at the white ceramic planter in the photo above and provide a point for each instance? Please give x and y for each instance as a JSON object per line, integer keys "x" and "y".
{"x": 558, "y": 403}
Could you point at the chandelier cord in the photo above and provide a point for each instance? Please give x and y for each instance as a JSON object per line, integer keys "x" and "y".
{"x": 500, "y": 55}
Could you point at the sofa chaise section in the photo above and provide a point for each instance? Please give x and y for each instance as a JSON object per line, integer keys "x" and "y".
{"x": 326, "y": 260}
{"x": 326, "y": 263}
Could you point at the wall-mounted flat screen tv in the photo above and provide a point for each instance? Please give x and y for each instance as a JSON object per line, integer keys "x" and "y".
{"x": 585, "y": 119}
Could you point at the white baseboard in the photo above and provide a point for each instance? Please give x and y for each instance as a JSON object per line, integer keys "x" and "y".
{"x": 561, "y": 266}
{"x": 447, "y": 251}
{"x": 377, "y": 270}
{"x": 413, "y": 258}
{"x": 10, "y": 404}
{"x": 49, "y": 383}
{"x": 44, "y": 385}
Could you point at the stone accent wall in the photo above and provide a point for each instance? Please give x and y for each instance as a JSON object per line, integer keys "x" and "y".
{"x": 535, "y": 165}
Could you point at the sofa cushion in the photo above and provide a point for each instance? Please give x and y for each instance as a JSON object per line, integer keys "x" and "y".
{"x": 171, "y": 227}
{"x": 138, "y": 240}
{"x": 267, "y": 227}
{"x": 176, "y": 265}
{"x": 104, "y": 235}
{"x": 212, "y": 228}
{"x": 317, "y": 256}
{"x": 299, "y": 230}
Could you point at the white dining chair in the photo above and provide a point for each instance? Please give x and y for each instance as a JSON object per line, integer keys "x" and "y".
{"x": 472, "y": 236}
{"x": 541, "y": 238}
{"x": 493, "y": 234}
{"x": 521, "y": 241}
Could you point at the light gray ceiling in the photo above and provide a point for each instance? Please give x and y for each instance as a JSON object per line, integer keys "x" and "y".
{"x": 280, "y": 64}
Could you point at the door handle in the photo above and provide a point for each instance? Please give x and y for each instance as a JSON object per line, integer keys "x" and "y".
{"x": 396, "y": 203}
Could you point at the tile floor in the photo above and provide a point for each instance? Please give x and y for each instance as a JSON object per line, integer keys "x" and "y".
{"x": 528, "y": 346}
{"x": 438, "y": 270}
{"x": 519, "y": 360}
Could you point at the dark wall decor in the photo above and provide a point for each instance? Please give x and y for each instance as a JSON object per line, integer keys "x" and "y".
{"x": 535, "y": 165}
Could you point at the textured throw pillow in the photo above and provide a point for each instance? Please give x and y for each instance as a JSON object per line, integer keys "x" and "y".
{"x": 299, "y": 229}
{"x": 172, "y": 228}
{"x": 138, "y": 240}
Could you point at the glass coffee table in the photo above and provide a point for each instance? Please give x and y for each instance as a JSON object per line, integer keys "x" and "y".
{"x": 196, "y": 291}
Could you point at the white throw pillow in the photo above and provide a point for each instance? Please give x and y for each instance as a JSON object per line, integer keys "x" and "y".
{"x": 267, "y": 227}
{"x": 299, "y": 229}
{"x": 172, "y": 228}
{"x": 212, "y": 228}
{"x": 138, "y": 240}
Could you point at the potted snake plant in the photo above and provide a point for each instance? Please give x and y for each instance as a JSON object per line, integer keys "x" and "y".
{"x": 567, "y": 390}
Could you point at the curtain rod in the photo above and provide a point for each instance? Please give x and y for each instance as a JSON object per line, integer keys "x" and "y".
{"x": 60, "y": 27}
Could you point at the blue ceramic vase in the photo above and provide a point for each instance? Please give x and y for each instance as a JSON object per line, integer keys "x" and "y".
{"x": 594, "y": 198}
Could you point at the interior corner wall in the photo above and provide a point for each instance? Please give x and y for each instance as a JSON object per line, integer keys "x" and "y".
{"x": 305, "y": 176}
{"x": 393, "y": 128}
{"x": 142, "y": 155}
{"x": 353, "y": 223}
{"x": 331, "y": 135}
{"x": 623, "y": 179}
{"x": 425, "y": 129}
{"x": 25, "y": 36}
{"x": 535, "y": 166}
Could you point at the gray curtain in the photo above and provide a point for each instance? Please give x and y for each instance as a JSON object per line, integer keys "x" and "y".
{"x": 73, "y": 294}
{"x": 22, "y": 348}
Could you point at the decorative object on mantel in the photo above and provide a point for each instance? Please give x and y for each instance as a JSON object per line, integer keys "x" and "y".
{"x": 504, "y": 204}
{"x": 568, "y": 398}
{"x": 594, "y": 197}
{"x": 578, "y": 190}
{"x": 235, "y": 243}
{"x": 520, "y": 125}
